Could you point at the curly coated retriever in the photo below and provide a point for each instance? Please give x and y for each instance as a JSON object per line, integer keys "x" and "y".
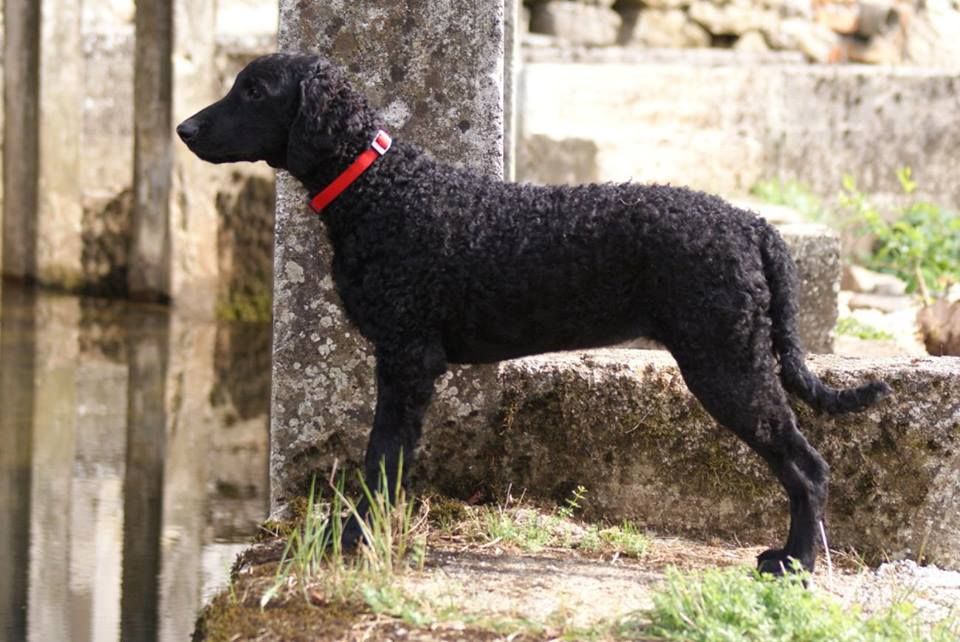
{"x": 437, "y": 264}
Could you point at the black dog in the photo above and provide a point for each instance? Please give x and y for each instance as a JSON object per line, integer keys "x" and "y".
{"x": 438, "y": 265}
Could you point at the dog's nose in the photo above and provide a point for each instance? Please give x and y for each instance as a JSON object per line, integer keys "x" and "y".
{"x": 187, "y": 130}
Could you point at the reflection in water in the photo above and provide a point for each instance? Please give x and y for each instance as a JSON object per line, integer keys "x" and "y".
{"x": 133, "y": 450}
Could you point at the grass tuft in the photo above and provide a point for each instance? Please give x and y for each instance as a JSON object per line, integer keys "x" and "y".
{"x": 313, "y": 559}
{"x": 734, "y": 604}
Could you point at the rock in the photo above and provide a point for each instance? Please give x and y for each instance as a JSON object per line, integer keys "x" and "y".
{"x": 751, "y": 41}
{"x": 623, "y": 424}
{"x": 790, "y": 8}
{"x": 670, "y": 28}
{"x": 882, "y": 49}
{"x": 817, "y": 42}
{"x": 859, "y": 279}
{"x": 656, "y": 4}
{"x": 577, "y": 23}
{"x": 940, "y": 326}
{"x": 731, "y": 19}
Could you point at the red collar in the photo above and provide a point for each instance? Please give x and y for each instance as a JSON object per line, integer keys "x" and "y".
{"x": 378, "y": 147}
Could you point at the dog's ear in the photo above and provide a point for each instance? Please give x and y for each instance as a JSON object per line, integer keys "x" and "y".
{"x": 309, "y": 140}
{"x": 328, "y": 115}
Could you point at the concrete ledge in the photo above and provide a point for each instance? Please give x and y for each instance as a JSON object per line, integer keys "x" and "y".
{"x": 622, "y": 423}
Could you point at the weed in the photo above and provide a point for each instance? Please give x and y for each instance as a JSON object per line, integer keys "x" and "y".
{"x": 572, "y": 503}
{"x": 920, "y": 242}
{"x": 734, "y": 604}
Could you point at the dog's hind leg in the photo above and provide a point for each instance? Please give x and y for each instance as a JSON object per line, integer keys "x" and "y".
{"x": 743, "y": 393}
{"x": 405, "y": 382}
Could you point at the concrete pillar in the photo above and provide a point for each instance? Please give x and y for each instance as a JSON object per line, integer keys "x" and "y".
{"x": 60, "y": 199}
{"x": 189, "y": 379}
{"x": 436, "y": 71}
{"x": 148, "y": 350}
{"x": 21, "y": 62}
{"x": 16, "y": 433}
{"x": 148, "y": 277}
{"x": 174, "y": 221}
{"x": 96, "y": 521}
{"x": 512, "y": 32}
{"x": 193, "y": 212}
{"x": 54, "y": 429}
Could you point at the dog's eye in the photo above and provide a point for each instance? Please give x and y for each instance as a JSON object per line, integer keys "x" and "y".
{"x": 254, "y": 92}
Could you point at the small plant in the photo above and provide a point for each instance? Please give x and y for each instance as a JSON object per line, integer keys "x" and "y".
{"x": 853, "y": 327}
{"x": 920, "y": 243}
{"x": 626, "y": 539}
{"x": 572, "y": 503}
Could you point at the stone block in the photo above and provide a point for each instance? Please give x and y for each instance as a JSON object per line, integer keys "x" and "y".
{"x": 622, "y": 424}
{"x": 816, "y": 251}
{"x": 574, "y": 22}
{"x": 544, "y": 160}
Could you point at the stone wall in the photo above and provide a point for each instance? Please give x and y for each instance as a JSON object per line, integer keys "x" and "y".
{"x": 720, "y": 121}
{"x": 875, "y": 31}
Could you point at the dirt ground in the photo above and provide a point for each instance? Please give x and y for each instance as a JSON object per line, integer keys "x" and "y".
{"x": 489, "y": 592}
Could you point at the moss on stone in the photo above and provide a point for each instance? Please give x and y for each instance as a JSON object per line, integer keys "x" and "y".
{"x": 250, "y": 305}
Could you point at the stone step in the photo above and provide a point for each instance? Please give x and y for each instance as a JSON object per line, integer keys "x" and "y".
{"x": 622, "y": 424}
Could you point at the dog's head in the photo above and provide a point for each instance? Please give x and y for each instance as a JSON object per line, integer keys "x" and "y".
{"x": 293, "y": 111}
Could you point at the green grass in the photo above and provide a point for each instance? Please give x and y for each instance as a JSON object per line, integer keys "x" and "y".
{"x": 533, "y": 530}
{"x": 734, "y": 604}
{"x": 626, "y": 539}
{"x": 314, "y": 561}
{"x": 795, "y": 195}
{"x": 852, "y": 327}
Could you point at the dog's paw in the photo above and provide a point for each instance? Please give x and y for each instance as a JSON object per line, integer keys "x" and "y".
{"x": 351, "y": 535}
{"x": 777, "y": 563}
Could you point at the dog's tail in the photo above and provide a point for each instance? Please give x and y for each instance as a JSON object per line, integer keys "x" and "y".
{"x": 781, "y": 275}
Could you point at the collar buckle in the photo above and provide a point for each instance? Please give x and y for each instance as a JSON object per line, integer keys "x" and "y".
{"x": 381, "y": 142}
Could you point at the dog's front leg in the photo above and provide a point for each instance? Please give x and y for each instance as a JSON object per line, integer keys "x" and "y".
{"x": 404, "y": 388}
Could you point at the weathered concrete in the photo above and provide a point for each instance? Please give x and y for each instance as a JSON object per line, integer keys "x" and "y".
{"x": 623, "y": 424}
{"x": 174, "y": 221}
{"x": 722, "y": 126}
{"x": 60, "y": 205}
{"x": 150, "y": 252}
{"x": 436, "y": 71}
{"x": 816, "y": 251}
{"x": 21, "y": 59}
{"x": 193, "y": 214}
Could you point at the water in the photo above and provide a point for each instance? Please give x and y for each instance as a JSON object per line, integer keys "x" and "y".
{"x": 133, "y": 464}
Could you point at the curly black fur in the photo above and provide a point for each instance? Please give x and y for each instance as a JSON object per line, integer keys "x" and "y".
{"x": 437, "y": 264}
